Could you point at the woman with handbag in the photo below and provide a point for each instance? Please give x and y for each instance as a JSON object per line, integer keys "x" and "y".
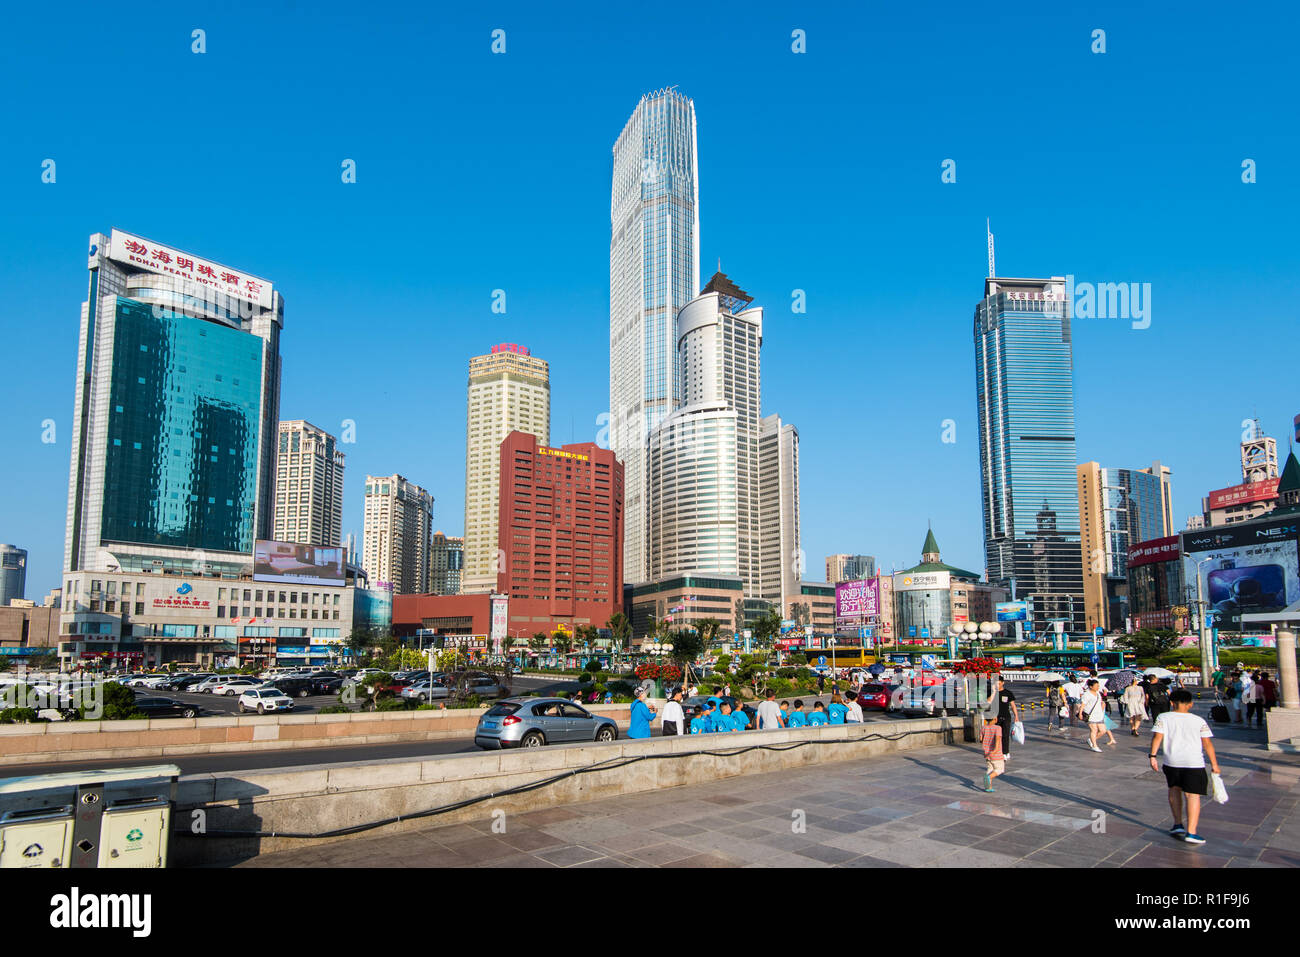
{"x": 1056, "y": 706}
{"x": 1093, "y": 708}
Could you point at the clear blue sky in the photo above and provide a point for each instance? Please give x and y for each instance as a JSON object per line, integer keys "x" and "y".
{"x": 818, "y": 171}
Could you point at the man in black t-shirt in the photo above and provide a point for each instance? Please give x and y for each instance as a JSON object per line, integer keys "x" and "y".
{"x": 1007, "y": 714}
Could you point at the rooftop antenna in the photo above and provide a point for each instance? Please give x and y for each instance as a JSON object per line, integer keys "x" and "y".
{"x": 988, "y": 229}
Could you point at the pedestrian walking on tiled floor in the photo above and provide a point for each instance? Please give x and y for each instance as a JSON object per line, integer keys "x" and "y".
{"x": 991, "y": 745}
{"x": 1185, "y": 739}
{"x": 1008, "y": 713}
{"x": 1093, "y": 708}
{"x": 1135, "y": 704}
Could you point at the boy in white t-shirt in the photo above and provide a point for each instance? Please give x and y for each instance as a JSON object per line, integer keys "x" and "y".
{"x": 1184, "y": 736}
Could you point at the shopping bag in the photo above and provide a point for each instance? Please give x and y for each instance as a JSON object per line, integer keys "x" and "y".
{"x": 1064, "y": 712}
{"x": 1018, "y": 733}
{"x": 1110, "y": 725}
{"x": 1217, "y": 789}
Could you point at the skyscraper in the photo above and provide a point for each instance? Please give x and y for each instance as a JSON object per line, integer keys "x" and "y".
{"x": 13, "y": 573}
{"x": 654, "y": 270}
{"x": 308, "y": 486}
{"x": 398, "y": 520}
{"x": 848, "y": 568}
{"x": 509, "y": 391}
{"x": 1118, "y": 509}
{"x": 782, "y": 549}
{"x": 1025, "y": 398}
{"x": 177, "y": 401}
{"x": 703, "y": 465}
{"x": 446, "y": 562}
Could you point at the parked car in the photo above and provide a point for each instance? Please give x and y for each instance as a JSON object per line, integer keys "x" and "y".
{"x": 294, "y": 687}
{"x": 930, "y": 699}
{"x": 234, "y": 686}
{"x": 533, "y": 722}
{"x": 166, "y": 708}
{"x": 263, "y": 700}
{"x": 140, "y": 681}
{"x": 157, "y": 681}
{"x": 692, "y": 706}
{"x": 422, "y": 691}
{"x": 876, "y": 696}
{"x": 179, "y": 682}
{"x": 211, "y": 681}
{"x": 326, "y": 685}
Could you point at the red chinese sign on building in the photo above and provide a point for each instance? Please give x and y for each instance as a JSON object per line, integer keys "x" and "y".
{"x": 192, "y": 604}
{"x": 123, "y": 247}
{"x": 1243, "y": 494}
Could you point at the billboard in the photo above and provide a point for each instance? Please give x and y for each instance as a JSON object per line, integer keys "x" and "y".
{"x": 1155, "y": 550}
{"x": 1252, "y": 568}
{"x": 857, "y": 599}
{"x": 1262, "y": 491}
{"x": 1011, "y": 611}
{"x": 292, "y": 563}
{"x": 155, "y": 257}
{"x": 920, "y": 581}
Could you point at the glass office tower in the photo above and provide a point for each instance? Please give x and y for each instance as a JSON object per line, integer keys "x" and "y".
{"x": 654, "y": 270}
{"x": 1025, "y": 396}
{"x": 177, "y": 406}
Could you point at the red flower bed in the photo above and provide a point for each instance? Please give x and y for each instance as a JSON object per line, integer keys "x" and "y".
{"x": 977, "y": 666}
{"x": 647, "y": 671}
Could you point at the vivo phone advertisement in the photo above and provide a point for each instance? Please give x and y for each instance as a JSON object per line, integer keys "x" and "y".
{"x": 1245, "y": 571}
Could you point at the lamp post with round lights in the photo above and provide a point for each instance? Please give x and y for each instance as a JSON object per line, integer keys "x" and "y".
{"x": 659, "y": 649}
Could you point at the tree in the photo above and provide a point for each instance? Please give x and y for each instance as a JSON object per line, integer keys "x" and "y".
{"x": 359, "y": 640}
{"x": 507, "y": 644}
{"x": 687, "y": 646}
{"x": 1150, "y": 642}
{"x": 538, "y": 642}
{"x": 621, "y": 628}
{"x": 768, "y": 627}
{"x": 707, "y": 629}
{"x": 407, "y": 659}
{"x": 562, "y": 642}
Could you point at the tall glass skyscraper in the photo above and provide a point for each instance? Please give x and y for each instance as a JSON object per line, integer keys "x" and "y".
{"x": 1025, "y": 395}
{"x": 654, "y": 270}
{"x": 177, "y": 406}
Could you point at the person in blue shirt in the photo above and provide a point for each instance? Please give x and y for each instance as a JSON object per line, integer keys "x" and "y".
{"x": 722, "y": 721}
{"x": 798, "y": 718}
{"x": 642, "y": 715}
{"x": 739, "y": 719}
{"x": 702, "y": 723}
{"x": 785, "y": 712}
{"x": 836, "y": 710}
{"x": 818, "y": 716}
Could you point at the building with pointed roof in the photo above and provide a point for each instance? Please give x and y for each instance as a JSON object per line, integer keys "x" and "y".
{"x": 933, "y": 595}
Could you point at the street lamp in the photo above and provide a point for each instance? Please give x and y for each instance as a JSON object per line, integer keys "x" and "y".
{"x": 1209, "y": 654}
{"x": 659, "y": 649}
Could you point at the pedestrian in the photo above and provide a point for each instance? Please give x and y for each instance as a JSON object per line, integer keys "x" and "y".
{"x": 1093, "y": 709}
{"x": 1157, "y": 698}
{"x": 726, "y": 690}
{"x": 855, "y": 709}
{"x": 721, "y": 722}
{"x": 642, "y": 715}
{"x": 785, "y": 714}
{"x": 1254, "y": 698}
{"x": 673, "y": 717}
{"x": 769, "y": 714}
{"x": 1135, "y": 704}
{"x": 836, "y": 710}
{"x": 821, "y": 682}
{"x": 1269, "y": 691}
{"x": 1008, "y": 712}
{"x": 799, "y": 716}
{"x": 1219, "y": 680}
{"x": 739, "y": 718}
{"x": 1073, "y": 692}
{"x": 695, "y": 690}
{"x": 991, "y": 745}
{"x": 1185, "y": 739}
{"x": 1056, "y": 706}
{"x": 818, "y": 716}
{"x": 702, "y": 723}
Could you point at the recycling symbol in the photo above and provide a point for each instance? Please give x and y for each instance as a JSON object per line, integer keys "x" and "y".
{"x": 134, "y": 834}
{"x": 33, "y": 850}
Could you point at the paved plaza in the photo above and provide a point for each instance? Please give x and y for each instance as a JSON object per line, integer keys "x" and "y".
{"x": 1059, "y": 805}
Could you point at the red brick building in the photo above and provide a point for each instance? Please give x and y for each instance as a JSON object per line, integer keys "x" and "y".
{"x": 560, "y": 532}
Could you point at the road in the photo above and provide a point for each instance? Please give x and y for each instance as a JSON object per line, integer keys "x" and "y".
{"x": 298, "y": 757}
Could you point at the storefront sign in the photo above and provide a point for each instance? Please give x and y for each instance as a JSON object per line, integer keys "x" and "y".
{"x": 167, "y": 261}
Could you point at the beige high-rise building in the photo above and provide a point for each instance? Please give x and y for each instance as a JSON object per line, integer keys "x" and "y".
{"x": 509, "y": 390}
{"x": 848, "y": 568}
{"x": 782, "y": 551}
{"x": 308, "y": 486}
{"x": 398, "y": 522}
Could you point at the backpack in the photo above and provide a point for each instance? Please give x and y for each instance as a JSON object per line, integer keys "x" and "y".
{"x": 1159, "y": 695}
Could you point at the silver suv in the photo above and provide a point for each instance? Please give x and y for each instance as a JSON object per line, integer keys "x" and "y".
{"x": 533, "y": 722}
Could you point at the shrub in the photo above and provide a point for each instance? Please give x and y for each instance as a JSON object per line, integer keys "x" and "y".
{"x": 621, "y": 688}
{"x": 18, "y": 716}
{"x": 787, "y": 673}
{"x": 335, "y": 709}
{"x": 390, "y": 704}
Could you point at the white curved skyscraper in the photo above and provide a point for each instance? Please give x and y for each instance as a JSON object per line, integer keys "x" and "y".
{"x": 654, "y": 270}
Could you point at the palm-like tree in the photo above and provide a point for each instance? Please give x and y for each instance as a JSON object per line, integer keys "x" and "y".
{"x": 507, "y": 643}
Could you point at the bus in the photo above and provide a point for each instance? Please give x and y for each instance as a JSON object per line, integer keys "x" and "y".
{"x": 1066, "y": 660}
{"x": 843, "y": 656}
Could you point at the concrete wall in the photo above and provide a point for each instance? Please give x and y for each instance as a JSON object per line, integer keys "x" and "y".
{"x": 312, "y": 800}
{"x": 47, "y": 742}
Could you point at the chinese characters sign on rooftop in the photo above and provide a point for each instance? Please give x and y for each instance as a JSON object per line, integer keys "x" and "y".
{"x": 145, "y": 254}
{"x": 561, "y": 454}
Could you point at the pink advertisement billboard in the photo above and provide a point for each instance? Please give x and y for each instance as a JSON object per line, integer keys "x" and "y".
{"x": 860, "y": 599}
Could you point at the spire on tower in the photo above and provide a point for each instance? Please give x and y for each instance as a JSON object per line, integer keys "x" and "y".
{"x": 989, "y": 229}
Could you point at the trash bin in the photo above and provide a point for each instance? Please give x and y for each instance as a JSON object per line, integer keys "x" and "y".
{"x": 119, "y": 817}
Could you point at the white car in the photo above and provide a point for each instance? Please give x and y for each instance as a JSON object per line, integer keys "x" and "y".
{"x": 234, "y": 686}
{"x": 263, "y": 700}
{"x": 141, "y": 681}
{"x": 153, "y": 681}
{"x": 208, "y": 683}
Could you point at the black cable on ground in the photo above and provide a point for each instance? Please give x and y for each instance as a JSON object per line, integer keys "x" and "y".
{"x": 610, "y": 765}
